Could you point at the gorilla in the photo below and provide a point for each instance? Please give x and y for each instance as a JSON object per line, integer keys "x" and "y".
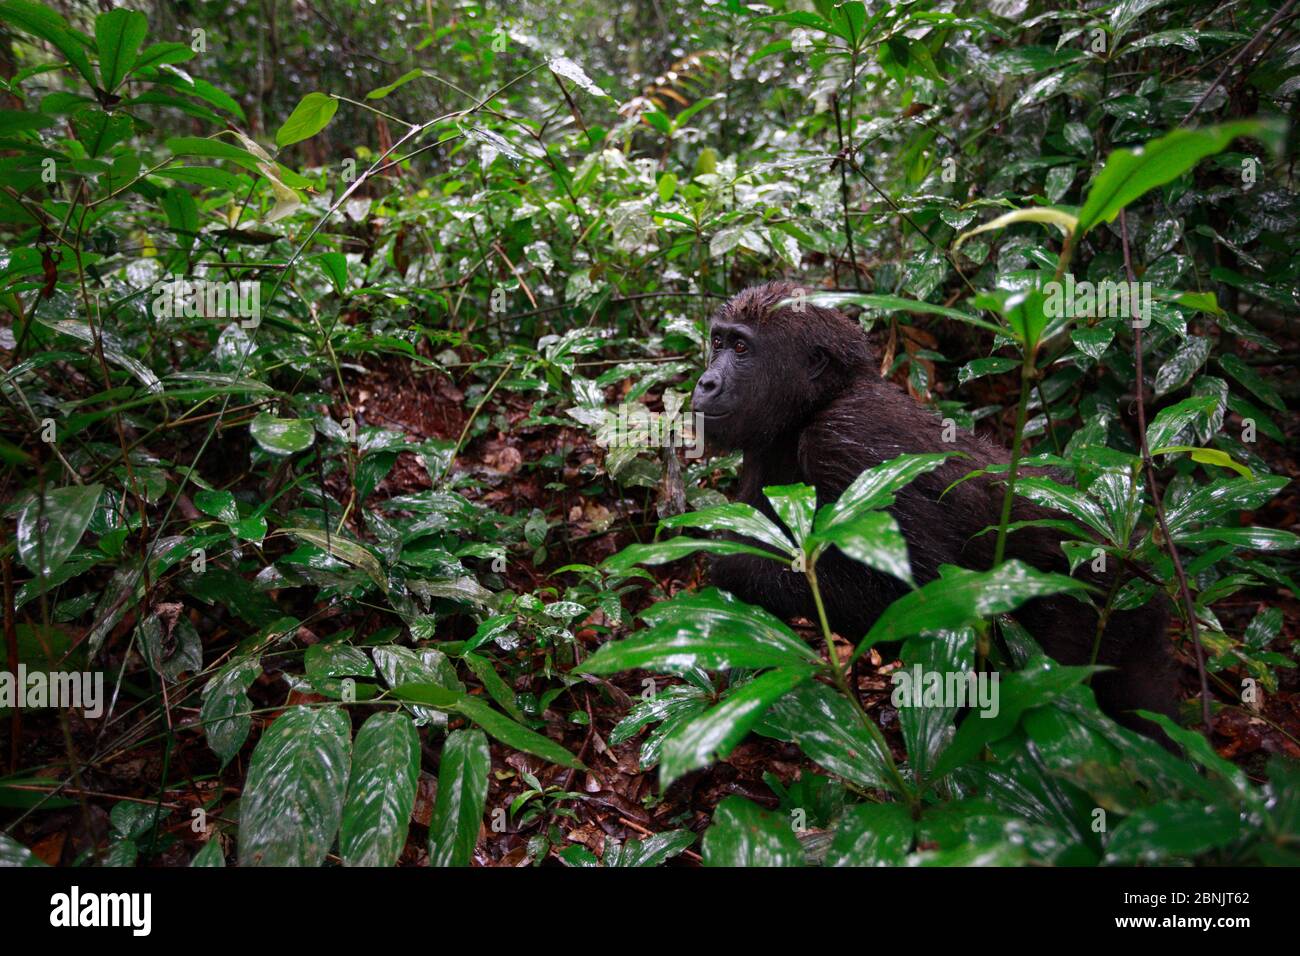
{"x": 798, "y": 392}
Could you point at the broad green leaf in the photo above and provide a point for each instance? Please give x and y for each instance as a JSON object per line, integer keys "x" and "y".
{"x": 1059, "y": 497}
{"x": 344, "y": 549}
{"x": 215, "y": 149}
{"x": 39, "y": 20}
{"x": 652, "y": 851}
{"x": 156, "y": 54}
{"x": 381, "y": 92}
{"x": 1209, "y": 502}
{"x": 1179, "y": 368}
{"x": 49, "y": 531}
{"x": 293, "y": 796}
{"x": 1252, "y": 380}
{"x": 1129, "y": 174}
{"x": 875, "y": 488}
{"x": 381, "y": 791}
{"x": 830, "y": 731}
{"x": 99, "y": 131}
{"x": 516, "y": 735}
{"x": 664, "y": 552}
{"x": 1059, "y": 218}
{"x": 462, "y": 795}
{"x": 498, "y": 725}
{"x": 738, "y": 518}
{"x": 1093, "y": 342}
{"x": 282, "y": 436}
{"x": 1173, "y": 829}
{"x": 711, "y": 630}
{"x": 1202, "y": 752}
{"x": 712, "y": 735}
{"x": 309, "y": 117}
{"x": 960, "y": 597}
{"x": 1254, "y": 539}
{"x": 335, "y": 265}
{"x": 218, "y": 504}
{"x": 118, "y": 35}
{"x": 1171, "y": 421}
{"x": 14, "y": 854}
{"x": 795, "y": 505}
{"x": 337, "y": 660}
{"x": 111, "y": 348}
{"x": 744, "y": 834}
{"x": 1038, "y": 684}
{"x": 928, "y": 728}
{"x": 872, "y": 537}
{"x": 210, "y": 855}
{"x": 225, "y": 711}
{"x": 872, "y": 834}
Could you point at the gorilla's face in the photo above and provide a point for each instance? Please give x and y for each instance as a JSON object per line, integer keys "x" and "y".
{"x": 756, "y": 384}
{"x": 727, "y": 380}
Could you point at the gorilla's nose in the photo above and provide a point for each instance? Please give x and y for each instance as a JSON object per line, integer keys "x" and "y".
{"x": 706, "y": 390}
{"x": 708, "y": 384}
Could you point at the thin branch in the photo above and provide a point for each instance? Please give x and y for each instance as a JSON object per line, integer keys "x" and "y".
{"x": 1184, "y": 591}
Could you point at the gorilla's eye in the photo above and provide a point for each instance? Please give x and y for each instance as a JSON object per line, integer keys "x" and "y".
{"x": 717, "y": 343}
{"x": 741, "y": 347}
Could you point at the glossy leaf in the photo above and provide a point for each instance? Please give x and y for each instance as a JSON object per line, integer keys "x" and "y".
{"x": 1209, "y": 502}
{"x": 1173, "y": 828}
{"x": 39, "y": 20}
{"x": 1128, "y": 174}
{"x": 309, "y": 117}
{"x": 872, "y": 834}
{"x": 48, "y": 532}
{"x": 293, "y": 796}
{"x": 872, "y": 537}
{"x": 744, "y": 834}
{"x": 713, "y": 734}
{"x": 1038, "y": 684}
{"x": 960, "y": 597}
{"x": 282, "y": 436}
{"x": 516, "y": 735}
{"x": 1059, "y": 218}
{"x": 225, "y": 711}
{"x": 709, "y": 630}
{"x": 118, "y": 35}
{"x": 1072, "y": 501}
{"x": 831, "y": 732}
{"x": 462, "y": 795}
{"x": 737, "y": 518}
{"x": 875, "y": 488}
{"x": 1172, "y": 421}
{"x": 795, "y": 505}
{"x": 381, "y": 791}
{"x": 663, "y": 552}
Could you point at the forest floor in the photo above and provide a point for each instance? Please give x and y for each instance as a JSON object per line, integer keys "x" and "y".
{"x": 621, "y": 800}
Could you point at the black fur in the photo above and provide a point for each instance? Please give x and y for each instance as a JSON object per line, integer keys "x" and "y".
{"x": 804, "y": 401}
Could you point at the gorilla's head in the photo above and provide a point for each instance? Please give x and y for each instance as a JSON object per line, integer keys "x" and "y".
{"x": 774, "y": 359}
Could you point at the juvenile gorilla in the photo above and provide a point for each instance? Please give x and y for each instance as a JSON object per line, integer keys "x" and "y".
{"x": 798, "y": 392}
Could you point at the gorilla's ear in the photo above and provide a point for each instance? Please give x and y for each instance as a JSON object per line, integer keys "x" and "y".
{"x": 817, "y": 364}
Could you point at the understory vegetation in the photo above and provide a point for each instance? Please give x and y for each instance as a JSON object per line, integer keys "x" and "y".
{"x": 317, "y": 324}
